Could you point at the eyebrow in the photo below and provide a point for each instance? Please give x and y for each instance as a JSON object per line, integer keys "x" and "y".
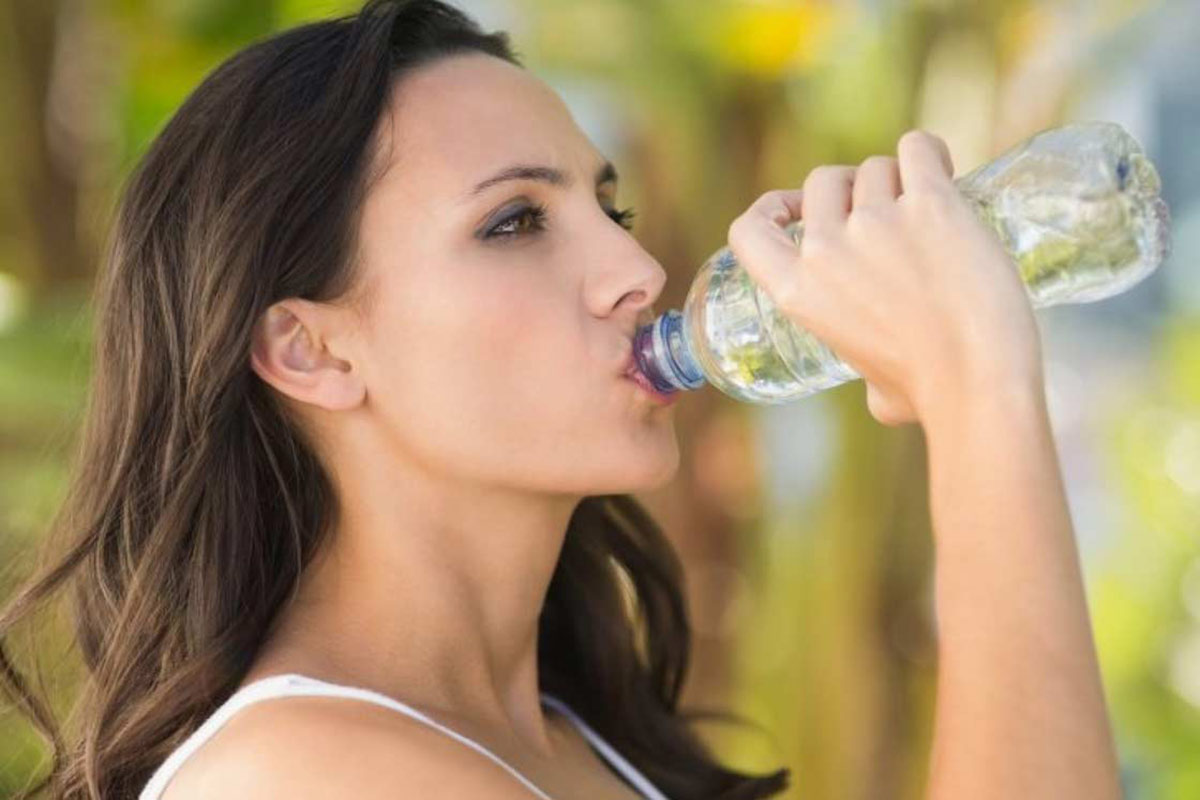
{"x": 534, "y": 172}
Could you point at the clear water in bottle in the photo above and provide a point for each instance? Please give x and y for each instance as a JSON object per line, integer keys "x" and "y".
{"x": 1078, "y": 207}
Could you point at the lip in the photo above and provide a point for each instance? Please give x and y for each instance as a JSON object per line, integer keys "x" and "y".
{"x": 635, "y": 376}
{"x": 658, "y": 397}
{"x": 630, "y": 365}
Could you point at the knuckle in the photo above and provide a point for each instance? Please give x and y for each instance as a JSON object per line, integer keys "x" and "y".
{"x": 931, "y": 199}
{"x": 916, "y": 136}
{"x": 763, "y": 200}
{"x": 734, "y": 231}
{"x": 775, "y": 198}
{"x": 772, "y": 204}
{"x": 816, "y": 245}
{"x": 877, "y": 162}
{"x": 738, "y": 230}
{"x": 827, "y": 173}
{"x": 869, "y": 217}
{"x": 923, "y": 139}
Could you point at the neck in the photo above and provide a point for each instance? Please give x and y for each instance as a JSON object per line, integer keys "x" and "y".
{"x": 430, "y": 592}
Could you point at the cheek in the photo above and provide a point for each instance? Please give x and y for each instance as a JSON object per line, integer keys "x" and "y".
{"x": 480, "y": 367}
{"x": 507, "y": 343}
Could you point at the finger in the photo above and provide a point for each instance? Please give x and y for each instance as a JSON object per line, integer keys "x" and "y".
{"x": 827, "y": 195}
{"x": 924, "y": 161}
{"x": 781, "y": 206}
{"x": 877, "y": 179}
{"x": 759, "y": 242}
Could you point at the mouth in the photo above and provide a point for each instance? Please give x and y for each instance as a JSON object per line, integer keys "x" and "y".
{"x": 635, "y": 376}
{"x": 631, "y": 365}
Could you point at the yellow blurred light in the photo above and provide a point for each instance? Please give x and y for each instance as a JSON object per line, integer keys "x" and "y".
{"x": 1144, "y": 435}
{"x": 1021, "y": 32}
{"x": 955, "y": 97}
{"x": 1185, "y": 667}
{"x": 12, "y": 301}
{"x": 1189, "y": 588}
{"x": 1183, "y": 457}
{"x": 770, "y": 38}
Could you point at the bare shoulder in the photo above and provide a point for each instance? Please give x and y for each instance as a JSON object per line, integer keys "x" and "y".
{"x": 318, "y": 747}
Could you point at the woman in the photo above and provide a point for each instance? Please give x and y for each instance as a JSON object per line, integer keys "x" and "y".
{"x": 360, "y": 436}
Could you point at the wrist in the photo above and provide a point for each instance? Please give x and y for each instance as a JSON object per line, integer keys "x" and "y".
{"x": 982, "y": 397}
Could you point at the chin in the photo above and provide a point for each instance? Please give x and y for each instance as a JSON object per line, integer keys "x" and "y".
{"x": 669, "y": 471}
{"x": 616, "y": 464}
{"x": 650, "y": 470}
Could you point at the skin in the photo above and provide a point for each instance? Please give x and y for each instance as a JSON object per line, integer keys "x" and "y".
{"x": 477, "y": 401}
{"x": 900, "y": 279}
{"x": 464, "y": 410}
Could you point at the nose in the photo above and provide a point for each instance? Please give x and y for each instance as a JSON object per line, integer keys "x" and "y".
{"x": 624, "y": 278}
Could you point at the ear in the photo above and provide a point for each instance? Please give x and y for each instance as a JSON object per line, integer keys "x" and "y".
{"x": 290, "y": 351}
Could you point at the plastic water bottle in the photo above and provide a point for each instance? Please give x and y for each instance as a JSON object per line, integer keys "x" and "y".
{"x": 1077, "y": 207}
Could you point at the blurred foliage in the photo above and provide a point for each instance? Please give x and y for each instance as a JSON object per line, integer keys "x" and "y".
{"x": 1146, "y": 602}
{"x": 815, "y": 619}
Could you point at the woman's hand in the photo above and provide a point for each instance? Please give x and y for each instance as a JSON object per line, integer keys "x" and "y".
{"x": 897, "y": 275}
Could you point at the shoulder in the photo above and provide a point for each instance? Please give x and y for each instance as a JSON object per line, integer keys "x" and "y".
{"x": 317, "y": 747}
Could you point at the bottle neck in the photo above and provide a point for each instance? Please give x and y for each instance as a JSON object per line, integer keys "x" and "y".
{"x": 664, "y": 354}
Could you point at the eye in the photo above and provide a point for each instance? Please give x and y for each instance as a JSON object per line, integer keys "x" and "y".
{"x": 532, "y": 219}
{"x": 512, "y": 225}
{"x": 622, "y": 217}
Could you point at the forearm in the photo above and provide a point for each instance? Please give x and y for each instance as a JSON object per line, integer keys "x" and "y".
{"x": 1020, "y": 706}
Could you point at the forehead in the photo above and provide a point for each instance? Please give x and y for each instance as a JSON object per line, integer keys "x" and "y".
{"x": 458, "y": 120}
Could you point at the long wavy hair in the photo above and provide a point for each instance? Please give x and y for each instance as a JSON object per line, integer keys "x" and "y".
{"x": 195, "y": 504}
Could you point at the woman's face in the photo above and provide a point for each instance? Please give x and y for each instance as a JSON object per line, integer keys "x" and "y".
{"x": 495, "y": 336}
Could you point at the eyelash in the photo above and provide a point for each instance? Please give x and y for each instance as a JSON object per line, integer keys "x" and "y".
{"x": 538, "y": 215}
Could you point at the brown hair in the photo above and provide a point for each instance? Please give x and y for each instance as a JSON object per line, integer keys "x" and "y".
{"x": 195, "y": 505}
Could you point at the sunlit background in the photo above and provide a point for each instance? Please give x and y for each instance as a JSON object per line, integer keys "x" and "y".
{"x": 804, "y": 528}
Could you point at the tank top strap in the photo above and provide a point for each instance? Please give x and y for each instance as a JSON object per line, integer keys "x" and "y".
{"x": 618, "y": 762}
{"x": 293, "y": 684}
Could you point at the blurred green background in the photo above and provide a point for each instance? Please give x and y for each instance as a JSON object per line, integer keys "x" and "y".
{"x": 803, "y": 528}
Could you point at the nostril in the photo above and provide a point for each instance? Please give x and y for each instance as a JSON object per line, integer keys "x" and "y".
{"x": 638, "y": 295}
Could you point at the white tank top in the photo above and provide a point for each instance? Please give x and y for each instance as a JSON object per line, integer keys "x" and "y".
{"x": 293, "y": 684}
